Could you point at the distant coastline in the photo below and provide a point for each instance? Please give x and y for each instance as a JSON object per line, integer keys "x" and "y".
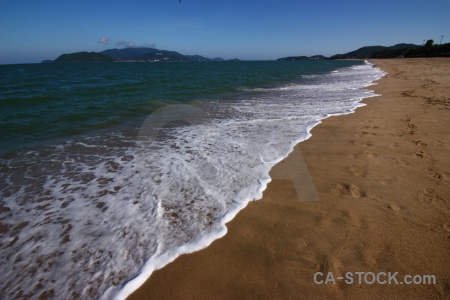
{"x": 429, "y": 49}
{"x": 144, "y": 54}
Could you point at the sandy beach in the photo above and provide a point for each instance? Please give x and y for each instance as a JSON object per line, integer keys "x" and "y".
{"x": 382, "y": 175}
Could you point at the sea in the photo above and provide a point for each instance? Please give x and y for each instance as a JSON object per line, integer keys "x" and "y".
{"x": 109, "y": 171}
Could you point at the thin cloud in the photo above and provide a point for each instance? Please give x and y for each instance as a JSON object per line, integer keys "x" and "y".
{"x": 104, "y": 40}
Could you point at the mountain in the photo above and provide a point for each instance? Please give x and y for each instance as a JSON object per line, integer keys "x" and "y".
{"x": 128, "y": 53}
{"x": 202, "y": 58}
{"x": 370, "y": 51}
{"x": 84, "y": 57}
{"x": 314, "y": 57}
{"x": 399, "y": 50}
{"x": 132, "y": 54}
{"x": 145, "y": 54}
{"x": 428, "y": 50}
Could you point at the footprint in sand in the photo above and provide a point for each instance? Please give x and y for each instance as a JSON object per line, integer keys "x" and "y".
{"x": 407, "y": 93}
{"x": 401, "y": 133}
{"x": 366, "y": 127}
{"x": 356, "y": 192}
{"x": 412, "y": 126}
{"x": 421, "y": 154}
{"x": 400, "y": 161}
{"x": 433, "y": 174}
{"x": 429, "y": 195}
{"x": 357, "y": 171}
{"x": 446, "y": 176}
{"x": 366, "y": 133}
{"x": 418, "y": 142}
{"x": 394, "y": 207}
{"x": 350, "y": 189}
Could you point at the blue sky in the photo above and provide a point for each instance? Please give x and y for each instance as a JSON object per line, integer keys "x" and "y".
{"x": 31, "y": 31}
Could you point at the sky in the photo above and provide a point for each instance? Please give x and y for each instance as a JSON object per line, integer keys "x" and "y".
{"x": 32, "y": 31}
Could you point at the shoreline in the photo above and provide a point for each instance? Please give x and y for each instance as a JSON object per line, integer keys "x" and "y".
{"x": 275, "y": 245}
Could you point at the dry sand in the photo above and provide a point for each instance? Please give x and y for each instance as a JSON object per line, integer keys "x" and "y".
{"x": 383, "y": 177}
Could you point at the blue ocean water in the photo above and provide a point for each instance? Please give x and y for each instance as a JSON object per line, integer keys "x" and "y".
{"x": 109, "y": 171}
{"x": 44, "y": 102}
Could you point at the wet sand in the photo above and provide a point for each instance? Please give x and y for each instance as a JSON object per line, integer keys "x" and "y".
{"x": 382, "y": 175}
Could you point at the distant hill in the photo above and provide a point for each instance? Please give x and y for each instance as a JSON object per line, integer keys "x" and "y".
{"x": 156, "y": 55}
{"x": 128, "y": 53}
{"x": 84, "y": 57}
{"x": 370, "y": 51}
{"x": 399, "y": 50}
{"x": 314, "y": 57}
{"x": 145, "y": 54}
{"x": 198, "y": 58}
{"x": 428, "y": 50}
{"x": 132, "y": 54}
